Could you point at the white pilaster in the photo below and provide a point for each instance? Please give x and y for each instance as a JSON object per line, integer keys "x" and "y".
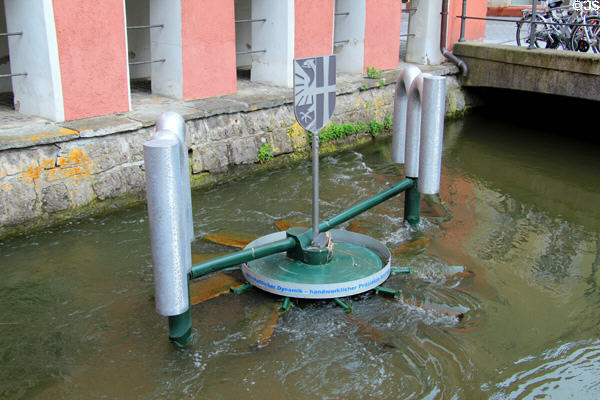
{"x": 276, "y": 36}
{"x": 425, "y": 25}
{"x": 350, "y": 30}
{"x": 166, "y": 43}
{"x": 35, "y": 52}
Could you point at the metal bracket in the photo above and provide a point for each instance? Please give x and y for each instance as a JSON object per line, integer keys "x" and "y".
{"x": 383, "y": 290}
{"x": 347, "y": 307}
{"x": 287, "y": 302}
{"x": 240, "y": 289}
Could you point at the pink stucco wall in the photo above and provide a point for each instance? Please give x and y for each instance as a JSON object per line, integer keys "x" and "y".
{"x": 474, "y": 29}
{"x": 382, "y": 34}
{"x": 92, "y": 56}
{"x": 313, "y": 28}
{"x": 208, "y": 46}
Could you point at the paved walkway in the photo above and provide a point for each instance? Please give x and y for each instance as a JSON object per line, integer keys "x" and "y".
{"x": 19, "y": 130}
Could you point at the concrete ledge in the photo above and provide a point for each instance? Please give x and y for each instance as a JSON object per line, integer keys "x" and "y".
{"x": 564, "y": 73}
{"x": 557, "y": 60}
{"x": 50, "y": 173}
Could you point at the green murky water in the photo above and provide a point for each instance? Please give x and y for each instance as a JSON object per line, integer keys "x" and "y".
{"x": 77, "y": 316}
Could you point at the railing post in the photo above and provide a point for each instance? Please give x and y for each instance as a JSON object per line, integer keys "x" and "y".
{"x": 463, "y": 22}
{"x": 532, "y": 32}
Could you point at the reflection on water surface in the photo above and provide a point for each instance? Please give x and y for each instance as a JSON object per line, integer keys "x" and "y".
{"x": 520, "y": 214}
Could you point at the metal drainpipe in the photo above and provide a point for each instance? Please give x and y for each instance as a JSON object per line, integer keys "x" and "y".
{"x": 448, "y": 54}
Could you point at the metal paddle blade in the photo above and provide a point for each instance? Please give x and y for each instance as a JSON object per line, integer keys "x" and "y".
{"x": 231, "y": 239}
{"x": 264, "y": 320}
{"x": 411, "y": 246}
{"x": 456, "y": 312}
{"x": 360, "y": 227}
{"x": 199, "y": 257}
{"x": 287, "y": 223}
{"x": 372, "y": 333}
{"x": 434, "y": 206}
{"x": 211, "y": 287}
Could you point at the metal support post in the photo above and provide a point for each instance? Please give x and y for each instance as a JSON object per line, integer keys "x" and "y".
{"x": 180, "y": 328}
{"x": 412, "y": 204}
{"x": 315, "y": 184}
{"x": 463, "y": 21}
{"x": 432, "y": 134}
{"x": 532, "y": 27}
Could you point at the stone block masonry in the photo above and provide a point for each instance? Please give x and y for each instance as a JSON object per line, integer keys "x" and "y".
{"x": 50, "y": 173}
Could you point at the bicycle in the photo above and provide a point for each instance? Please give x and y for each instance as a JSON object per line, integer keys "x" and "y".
{"x": 585, "y": 37}
{"x": 550, "y": 32}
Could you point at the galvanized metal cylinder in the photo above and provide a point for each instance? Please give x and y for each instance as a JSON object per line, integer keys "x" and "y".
{"x": 168, "y": 235}
{"x": 173, "y": 122}
{"x": 432, "y": 133}
{"x": 413, "y": 127}
{"x": 405, "y": 79}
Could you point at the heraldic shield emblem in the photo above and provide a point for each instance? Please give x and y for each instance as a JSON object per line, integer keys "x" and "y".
{"x": 314, "y": 91}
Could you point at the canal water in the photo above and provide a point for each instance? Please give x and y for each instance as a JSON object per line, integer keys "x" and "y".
{"x": 519, "y": 215}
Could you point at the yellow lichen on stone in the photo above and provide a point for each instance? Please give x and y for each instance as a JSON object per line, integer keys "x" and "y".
{"x": 74, "y": 165}
{"x": 61, "y": 132}
{"x": 274, "y": 147}
{"x": 379, "y": 105}
{"x": 298, "y": 137}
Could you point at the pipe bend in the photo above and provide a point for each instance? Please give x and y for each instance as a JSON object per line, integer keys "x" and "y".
{"x": 443, "y": 34}
{"x": 403, "y": 84}
{"x": 464, "y": 69}
{"x": 405, "y": 79}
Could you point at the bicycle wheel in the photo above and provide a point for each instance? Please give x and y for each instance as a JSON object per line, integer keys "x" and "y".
{"x": 586, "y": 37}
{"x": 542, "y": 38}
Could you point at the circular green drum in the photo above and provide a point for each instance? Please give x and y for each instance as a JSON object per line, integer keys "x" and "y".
{"x": 358, "y": 264}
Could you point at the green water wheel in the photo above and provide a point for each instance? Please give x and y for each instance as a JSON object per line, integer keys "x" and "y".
{"x": 357, "y": 264}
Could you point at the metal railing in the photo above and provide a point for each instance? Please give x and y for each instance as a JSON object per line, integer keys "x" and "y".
{"x": 147, "y": 62}
{"x": 11, "y": 75}
{"x": 340, "y": 42}
{"x": 250, "y": 52}
{"x": 146, "y": 26}
{"x": 241, "y": 21}
{"x": 250, "y": 21}
{"x": 136, "y": 27}
{"x": 569, "y": 27}
{"x": 404, "y": 35}
{"x": 7, "y": 34}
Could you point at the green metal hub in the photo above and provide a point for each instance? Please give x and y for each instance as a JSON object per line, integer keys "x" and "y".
{"x": 356, "y": 264}
{"x": 303, "y": 250}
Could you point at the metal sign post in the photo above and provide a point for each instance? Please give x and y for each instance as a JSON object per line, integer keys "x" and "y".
{"x": 314, "y": 102}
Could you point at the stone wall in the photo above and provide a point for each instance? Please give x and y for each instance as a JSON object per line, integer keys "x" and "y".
{"x": 77, "y": 176}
